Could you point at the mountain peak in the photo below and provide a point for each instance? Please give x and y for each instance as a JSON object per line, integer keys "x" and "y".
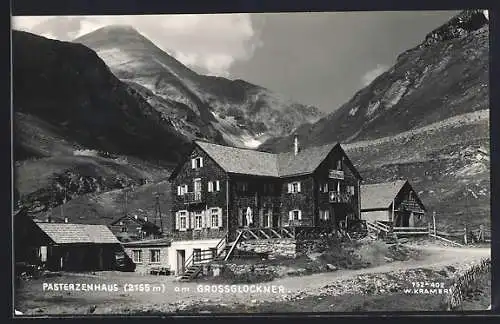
{"x": 465, "y": 22}
{"x": 118, "y": 28}
{"x": 112, "y": 31}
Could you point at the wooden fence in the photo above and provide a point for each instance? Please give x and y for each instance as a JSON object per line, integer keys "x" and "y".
{"x": 466, "y": 236}
{"x": 466, "y": 282}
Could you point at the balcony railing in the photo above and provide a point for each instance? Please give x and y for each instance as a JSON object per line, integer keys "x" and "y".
{"x": 339, "y": 197}
{"x": 336, "y": 174}
{"x": 192, "y": 197}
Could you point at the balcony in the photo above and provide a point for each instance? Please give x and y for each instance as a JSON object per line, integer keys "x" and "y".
{"x": 336, "y": 174}
{"x": 193, "y": 197}
{"x": 339, "y": 197}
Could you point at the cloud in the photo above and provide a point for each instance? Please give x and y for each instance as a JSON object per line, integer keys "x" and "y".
{"x": 209, "y": 43}
{"x": 371, "y": 75}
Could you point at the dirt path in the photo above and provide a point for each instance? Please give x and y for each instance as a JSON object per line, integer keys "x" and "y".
{"x": 180, "y": 293}
{"x": 436, "y": 258}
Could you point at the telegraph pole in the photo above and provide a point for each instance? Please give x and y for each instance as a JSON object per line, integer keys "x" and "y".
{"x": 158, "y": 209}
{"x": 125, "y": 191}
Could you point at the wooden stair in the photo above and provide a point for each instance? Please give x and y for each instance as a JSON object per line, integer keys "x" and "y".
{"x": 225, "y": 252}
{"x": 191, "y": 272}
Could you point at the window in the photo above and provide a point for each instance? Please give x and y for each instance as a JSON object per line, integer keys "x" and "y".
{"x": 294, "y": 187}
{"x": 268, "y": 218}
{"x": 324, "y": 214}
{"x": 137, "y": 256}
{"x": 124, "y": 229}
{"x": 214, "y": 217}
{"x": 181, "y": 220}
{"x": 196, "y": 255}
{"x": 213, "y": 186}
{"x": 323, "y": 187}
{"x": 197, "y": 163}
{"x": 155, "y": 256}
{"x": 197, "y": 185}
{"x": 245, "y": 217}
{"x": 181, "y": 190}
{"x": 350, "y": 190}
{"x": 339, "y": 164}
{"x": 198, "y": 220}
{"x": 295, "y": 215}
{"x": 337, "y": 186}
{"x": 214, "y": 252}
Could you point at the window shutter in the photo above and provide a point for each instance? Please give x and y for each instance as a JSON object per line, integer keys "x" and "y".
{"x": 220, "y": 216}
{"x": 201, "y": 162}
{"x": 210, "y": 186}
{"x": 178, "y": 190}
{"x": 185, "y": 188}
{"x": 177, "y": 220}
{"x": 209, "y": 218}
{"x": 217, "y": 185}
{"x": 204, "y": 219}
{"x": 190, "y": 220}
{"x": 327, "y": 214}
{"x": 193, "y": 163}
{"x": 290, "y": 215}
{"x": 300, "y": 214}
{"x": 298, "y": 186}
{"x": 289, "y": 188}
{"x": 261, "y": 218}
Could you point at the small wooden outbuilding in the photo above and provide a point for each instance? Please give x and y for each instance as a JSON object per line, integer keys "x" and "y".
{"x": 65, "y": 246}
{"x": 395, "y": 203}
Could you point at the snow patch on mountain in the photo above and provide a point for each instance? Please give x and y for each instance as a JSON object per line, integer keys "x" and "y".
{"x": 395, "y": 93}
{"x": 115, "y": 57}
{"x": 372, "y": 107}
{"x": 353, "y": 111}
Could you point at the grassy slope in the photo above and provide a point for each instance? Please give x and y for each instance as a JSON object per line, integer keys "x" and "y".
{"x": 66, "y": 101}
{"x": 101, "y": 208}
{"x": 441, "y": 163}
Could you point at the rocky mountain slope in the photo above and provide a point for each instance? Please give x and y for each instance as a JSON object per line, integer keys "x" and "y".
{"x": 79, "y": 129}
{"x": 426, "y": 119}
{"x": 197, "y": 105}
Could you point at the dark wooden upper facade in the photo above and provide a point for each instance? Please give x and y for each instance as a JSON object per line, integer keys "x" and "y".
{"x": 210, "y": 201}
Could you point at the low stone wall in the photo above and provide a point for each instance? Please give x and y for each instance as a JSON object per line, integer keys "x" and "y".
{"x": 272, "y": 247}
{"x": 288, "y": 248}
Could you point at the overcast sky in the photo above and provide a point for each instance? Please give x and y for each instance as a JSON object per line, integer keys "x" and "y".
{"x": 320, "y": 59}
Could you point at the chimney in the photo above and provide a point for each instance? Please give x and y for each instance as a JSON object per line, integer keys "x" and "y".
{"x": 65, "y": 219}
{"x": 296, "y": 144}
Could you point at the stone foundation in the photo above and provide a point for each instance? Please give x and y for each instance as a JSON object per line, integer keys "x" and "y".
{"x": 273, "y": 247}
{"x": 288, "y": 248}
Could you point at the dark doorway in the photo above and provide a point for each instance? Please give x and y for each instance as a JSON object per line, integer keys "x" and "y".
{"x": 406, "y": 219}
{"x": 181, "y": 260}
